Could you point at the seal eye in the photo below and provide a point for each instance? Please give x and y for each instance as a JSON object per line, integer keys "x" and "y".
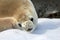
{"x": 31, "y": 19}
{"x": 20, "y": 25}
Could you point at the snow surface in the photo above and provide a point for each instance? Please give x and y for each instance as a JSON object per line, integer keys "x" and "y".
{"x": 47, "y": 29}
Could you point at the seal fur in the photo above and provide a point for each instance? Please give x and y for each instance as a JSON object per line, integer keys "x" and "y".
{"x": 13, "y": 12}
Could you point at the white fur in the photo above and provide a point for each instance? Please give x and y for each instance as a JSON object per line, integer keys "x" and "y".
{"x": 34, "y": 14}
{"x": 29, "y": 24}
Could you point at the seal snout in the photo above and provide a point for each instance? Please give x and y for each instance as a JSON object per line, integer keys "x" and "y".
{"x": 28, "y": 25}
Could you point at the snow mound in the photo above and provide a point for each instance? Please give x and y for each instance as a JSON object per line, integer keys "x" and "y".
{"x": 47, "y": 29}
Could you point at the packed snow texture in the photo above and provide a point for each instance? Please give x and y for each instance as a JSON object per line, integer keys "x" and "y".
{"x": 47, "y": 29}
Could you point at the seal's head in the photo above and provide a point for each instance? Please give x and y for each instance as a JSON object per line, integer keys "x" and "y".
{"x": 27, "y": 22}
{"x": 26, "y": 17}
{"x": 27, "y": 26}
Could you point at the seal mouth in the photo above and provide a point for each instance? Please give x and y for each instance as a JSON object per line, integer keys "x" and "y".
{"x": 29, "y": 29}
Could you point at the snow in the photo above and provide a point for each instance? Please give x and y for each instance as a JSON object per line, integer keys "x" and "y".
{"x": 47, "y": 29}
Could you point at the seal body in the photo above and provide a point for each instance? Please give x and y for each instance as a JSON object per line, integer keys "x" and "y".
{"x": 18, "y": 14}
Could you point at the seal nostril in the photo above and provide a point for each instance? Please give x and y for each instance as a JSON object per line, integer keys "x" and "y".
{"x": 20, "y": 25}
{"x": 29, "y": 29}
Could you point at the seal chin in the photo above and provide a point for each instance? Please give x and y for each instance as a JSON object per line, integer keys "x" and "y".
{"x": 28, "y": 26}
